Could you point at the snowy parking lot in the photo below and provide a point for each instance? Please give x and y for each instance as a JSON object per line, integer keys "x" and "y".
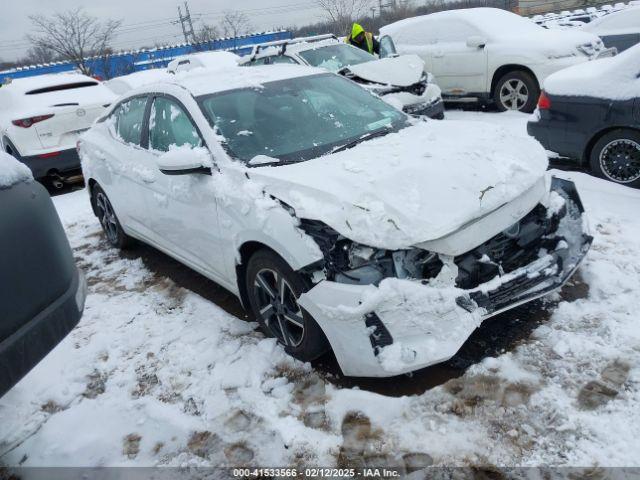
{"x": 164, "y": 370}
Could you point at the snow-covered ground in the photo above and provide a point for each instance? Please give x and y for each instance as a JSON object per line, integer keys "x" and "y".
{"x": 157, "y": 375}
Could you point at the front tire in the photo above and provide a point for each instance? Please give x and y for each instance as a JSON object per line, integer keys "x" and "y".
{"x": 517, "y": 91}
{"x": 616, "y": 157}
{"x": 108, "y": 219}
{"x": 273, "y": 289}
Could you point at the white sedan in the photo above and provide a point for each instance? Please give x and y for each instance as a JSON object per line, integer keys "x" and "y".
{"x": 339, "y": 221}
{"x": 491, "y": 54}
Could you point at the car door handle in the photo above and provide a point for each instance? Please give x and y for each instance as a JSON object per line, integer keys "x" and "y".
{"x": 438, "y": 54}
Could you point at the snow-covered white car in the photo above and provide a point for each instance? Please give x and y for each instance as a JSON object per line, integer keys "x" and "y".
{"x": 41, "y": 118}
{"x": 491, "y": 54}
{"x": 619, "y": 29}
{"x": 339, "y": 221}
{"x": 400, "y": 80}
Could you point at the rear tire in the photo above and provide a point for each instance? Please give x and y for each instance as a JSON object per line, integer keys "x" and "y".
{"x": 108, "y": 219}
{"x": 616, "y": 157}
{"x": 273, "y": 289}
{"x": 517, "y": 91}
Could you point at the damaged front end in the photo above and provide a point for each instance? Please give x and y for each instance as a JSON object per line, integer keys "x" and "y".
{"x": 423, "y": 97}
{"x": 390, "y": 312}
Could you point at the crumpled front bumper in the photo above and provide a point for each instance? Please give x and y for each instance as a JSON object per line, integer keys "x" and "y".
{"x": 429, "y": 103}
{"x": 404, "y": 325}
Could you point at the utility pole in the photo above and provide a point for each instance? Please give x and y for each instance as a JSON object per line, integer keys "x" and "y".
{"x": 186, "y": 24}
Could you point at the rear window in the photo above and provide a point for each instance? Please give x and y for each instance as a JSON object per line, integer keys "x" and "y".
{"x": 57, "y": 88}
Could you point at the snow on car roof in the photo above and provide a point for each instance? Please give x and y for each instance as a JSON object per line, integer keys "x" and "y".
{"x": 615, "y": 78}
{"x": 492, "y": 21}
{"x": 12, "y": 171}
{"x": 203, "y": 81}
{"x": 24, "y": 85}
{"x": 125, "y": 83}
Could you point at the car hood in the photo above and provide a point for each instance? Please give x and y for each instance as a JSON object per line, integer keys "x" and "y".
{"x": 412, "y": 186}
{"x": 400, "y": 71}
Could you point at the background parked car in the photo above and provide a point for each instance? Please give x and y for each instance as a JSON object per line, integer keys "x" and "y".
{"x": 42, "y": 292}
{"x": 591, "y": 114}
{"x": 619, "y": 29}
{"x": 41, "y": 118}
{"x": 401, "y": 80}
{"x": 491, "y": 54}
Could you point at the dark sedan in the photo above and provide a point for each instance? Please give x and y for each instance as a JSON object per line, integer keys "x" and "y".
{"x": 591, "y": 115}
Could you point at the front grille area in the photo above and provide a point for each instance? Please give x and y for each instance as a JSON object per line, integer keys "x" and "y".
{"x": 514, "y": 248}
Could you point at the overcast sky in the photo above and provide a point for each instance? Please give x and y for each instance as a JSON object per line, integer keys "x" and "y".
{"x": 146, "y": 22}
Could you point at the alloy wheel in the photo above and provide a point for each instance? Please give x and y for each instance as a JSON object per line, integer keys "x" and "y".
{"x": 620, "y": 160}
{"x": 514, "y": 94}
{"x": 278, "y": 307}
{"x": 107, "y": 217}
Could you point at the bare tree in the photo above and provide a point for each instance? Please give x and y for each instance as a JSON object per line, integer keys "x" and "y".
{"x": 341, "y": 13}
{"x": 73, "y": 35}
{"x": 40, "y": 54}
{"x": 207, "y": 33}
{"x": 235, "y": 24}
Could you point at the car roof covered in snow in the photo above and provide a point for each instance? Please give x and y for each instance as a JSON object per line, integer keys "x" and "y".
{"x": 203, "y": 81}
{"x": 493, "y": 21}
{"x": 615, "y": 78}
{"x": 120, "y": 85}
{"x": 28, "y": 84}
{"x": 214, "y": 60}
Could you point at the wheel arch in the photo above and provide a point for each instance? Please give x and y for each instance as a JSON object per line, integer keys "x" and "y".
{"x": 245, "y": 252}
{"x": 511, "y": 67}
{"x": 295, "y": 258}
{"x": 586, "y": 154}
{"x": 91, "y": 183}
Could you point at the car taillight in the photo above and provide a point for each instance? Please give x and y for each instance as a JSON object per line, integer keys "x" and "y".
{"x": 27, "y": 122}
{"x": 544, "y": 103}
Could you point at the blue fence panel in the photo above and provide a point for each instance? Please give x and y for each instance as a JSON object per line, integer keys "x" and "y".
{"x": 129, "y": 62}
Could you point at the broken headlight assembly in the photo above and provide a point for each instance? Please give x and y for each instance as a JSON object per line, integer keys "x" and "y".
{"x": 348, "y": 262}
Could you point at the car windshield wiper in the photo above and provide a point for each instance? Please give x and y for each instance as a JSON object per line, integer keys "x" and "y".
{"x": 367, "y": 136}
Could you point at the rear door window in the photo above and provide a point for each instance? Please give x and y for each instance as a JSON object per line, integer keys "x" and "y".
{"x": 128, "y": 120}
{"x": 169, "y": 125}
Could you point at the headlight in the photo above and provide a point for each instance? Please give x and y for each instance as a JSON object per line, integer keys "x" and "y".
{"x": 346, "y": 261}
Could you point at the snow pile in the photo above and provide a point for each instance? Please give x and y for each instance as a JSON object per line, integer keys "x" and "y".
{"x": 614, "y": 78}
{"x": 123, "y": 84}
{"x": 398, "y": 190}
{"x": 12, "y": 171}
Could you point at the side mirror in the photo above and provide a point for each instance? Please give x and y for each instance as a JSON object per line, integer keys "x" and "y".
{"x": 476, "y": 41}
{"x": 184, "y": 161}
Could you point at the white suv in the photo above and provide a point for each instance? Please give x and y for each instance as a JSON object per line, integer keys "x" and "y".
{"x": 491, "y": 54}
{"x": 41, "y": 118}
{"x": 339, "y": 221}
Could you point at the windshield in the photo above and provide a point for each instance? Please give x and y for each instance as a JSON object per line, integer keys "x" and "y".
{"x": 335, "y": 57}
{"x": 298, "y": 118}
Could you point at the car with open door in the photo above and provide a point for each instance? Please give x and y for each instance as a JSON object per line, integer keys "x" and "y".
{"x": 42, "y": 292}
{"x": 399, "y": 80}
{"x": 41, "y": 118}
{"x": 590, "y": 115}
{"x": 491, "y": 55}
{"x": 339, "y": 221}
